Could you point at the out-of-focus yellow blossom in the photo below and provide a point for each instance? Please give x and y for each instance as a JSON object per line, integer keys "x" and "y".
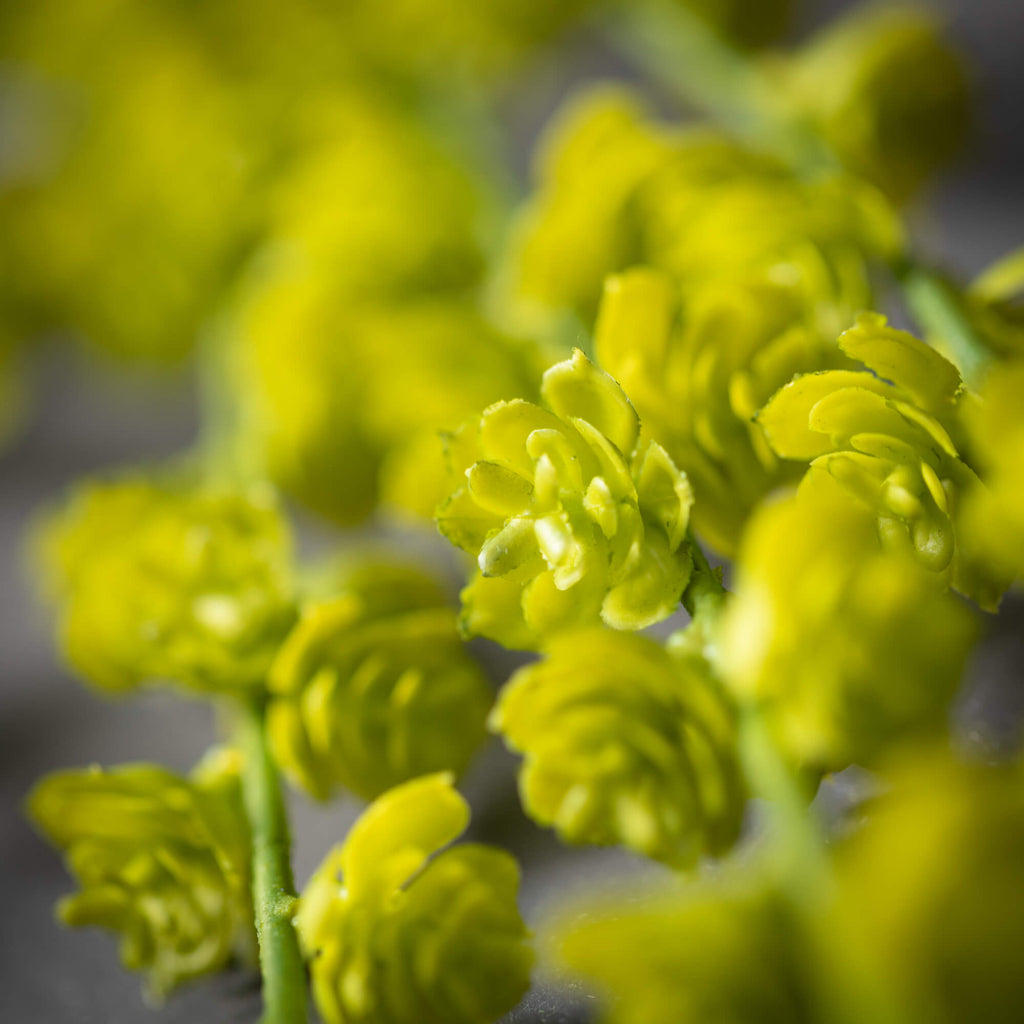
{"x": 124, "y": 222}
{"x": 572, "y": 517}
{"x": 928, "y": 917}
{"x": 995, "y": 302}
{"x": 160, "y": 859}
{"x": 162, "y": 582}
{"x": 882, "y": 436}
{"x": 844, "y": 645}
{"x": 994, "y": 515}
{"x": 698, "y": 376}
{"x": 625, "y": 744}
{"x": 695, "y": 205}
{"x": 374, "y": 687}
{"x": 399, "y": 930}
{"x": 887, "y": 92}
{"x": 343, "y": 405}
{"x": 726, "y": 950}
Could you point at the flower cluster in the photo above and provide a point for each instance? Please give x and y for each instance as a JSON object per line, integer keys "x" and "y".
{"x": 398, "y": 929}
{"x": 160, "y": 582}
{"x": 920, "y": 922}
{"x": 160, "y": 859}
{"x": 625, "y": 744}
{"x": 882, "y": 436}
{"x": 374, "y": 687}
{"x": 573, "y": 518}
{"x": 844, "y": 646}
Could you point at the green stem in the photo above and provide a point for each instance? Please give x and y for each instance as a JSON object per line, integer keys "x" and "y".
{"x": 798, "y": 844}
{"x": 273, "y": 890}
{"x": 705, "y": 594}
{"x": 933, "y": 304}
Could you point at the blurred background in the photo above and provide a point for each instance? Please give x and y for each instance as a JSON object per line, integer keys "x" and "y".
{"x": 111, "y": 285}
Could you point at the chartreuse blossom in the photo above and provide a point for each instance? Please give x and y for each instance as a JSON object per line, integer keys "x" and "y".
{"x": 696, "y": 205}
{"x": 725, "y": 949}
{"x": 160, "y": 859}
{"x": 625, "y": 743}
{"x": 995, "y": 303}
{"x": 881, "y": 436}
{"x": 844, "y": 646}
{"x": 927, "y": 916}
{"x": 400, "y": 930}
{"x": 994, "y": 515}
{"x": 158, "y": 580}
{"x": 572, "y": 516}
{"x": 886, "y": 93}
{"x": 374, "y": 686}
{"x": 698, "y": 372}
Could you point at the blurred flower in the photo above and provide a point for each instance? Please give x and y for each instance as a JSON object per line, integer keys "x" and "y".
{"x": 625, "y": 743}
{"x": 175, "y": 583}
{"x": 374, "y": 687}
{"x": 724, "y": 950}
{"x": 572, "y": 517}
{"x": 398, "y": 928}
{"x": 160, "y": 859}
{"x": 881, "y": 436}
{"x": 995, "y": 302}
{"x": 888, "y": 93}
{"x": 691, "y": 203}
{"x": 929, "y": 898}
{"x": 698, "y": 375}
{"x": 994, "y": 514}
{"x": 845, "y": 646}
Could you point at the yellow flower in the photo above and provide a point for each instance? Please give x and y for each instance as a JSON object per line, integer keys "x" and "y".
{"x": 625, "y": 743}
{"x": 158, "y": 582}
{"x": 698, "y": 372}
{"x": 374, "y": 687}
{"x": 160, "y": 859}
{"x": 843, "y": 645}
{"x": 882, "y": 437}
{"x": 572, "y": 517}
{"x": 927, "y": 915}
{"x": 993, "y": 516}
{"x": 398, "y": 929}
{"x": 888, "y": 93}
{"x": 725, "y": 949}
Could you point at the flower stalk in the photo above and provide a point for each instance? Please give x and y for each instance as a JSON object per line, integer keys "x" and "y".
{"x": 273, "y": 889}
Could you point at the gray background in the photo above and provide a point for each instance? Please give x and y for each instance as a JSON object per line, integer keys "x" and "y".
{"x": 86, "y": 418}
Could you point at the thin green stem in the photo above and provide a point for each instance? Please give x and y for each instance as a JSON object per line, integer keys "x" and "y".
{"x": 933, "y": 304}
{"x": 273, "y": 890}
{"x": 798, "y": 851}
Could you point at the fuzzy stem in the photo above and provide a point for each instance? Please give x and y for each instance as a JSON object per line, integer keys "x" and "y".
{"x": 273, "y": 890}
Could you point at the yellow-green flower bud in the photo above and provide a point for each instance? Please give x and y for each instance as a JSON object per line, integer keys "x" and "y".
{"x": 698, "y": 371}
{"x": 845, "y": 646}
{"x": 399, "y": 930}
{"x": 162, "y": 583}
{"x": 727, "y": 950}
{"x": 993, "y": 515}
{"x": 374, "y": 687}
{"x": 625, "y": 744}
{"x": 881, "y": 436}
{"x": 695, "y": 205}
{"x": 887, "y": 92}
{"x": 927, "y": 917}
{"x": 160, "y": 859}
{"x": 572, "y": 517}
